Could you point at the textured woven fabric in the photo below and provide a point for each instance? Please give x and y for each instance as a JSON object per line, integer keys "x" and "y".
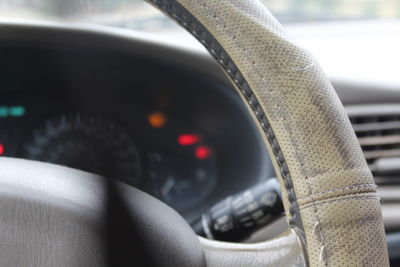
{"x": 329, "y": 193}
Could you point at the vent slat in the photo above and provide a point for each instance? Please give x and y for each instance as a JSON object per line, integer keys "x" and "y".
{"x": 379, "y": 140}
{"x": 376, "y": 126}
{"x": 374, "y": 154}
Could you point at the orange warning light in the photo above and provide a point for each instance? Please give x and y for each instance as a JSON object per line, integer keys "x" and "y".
{"x": 157, "y": 119}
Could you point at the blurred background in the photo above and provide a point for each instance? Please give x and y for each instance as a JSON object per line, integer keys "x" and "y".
{"x": 137, "y": 14}
{"x": 355, "y": 41}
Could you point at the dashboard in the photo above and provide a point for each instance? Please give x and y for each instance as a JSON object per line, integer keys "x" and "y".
{"x": 160, "y": 115}
{"x": 180, "y": 136}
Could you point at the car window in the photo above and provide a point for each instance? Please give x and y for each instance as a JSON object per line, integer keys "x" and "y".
{"x": 137, "y": 14}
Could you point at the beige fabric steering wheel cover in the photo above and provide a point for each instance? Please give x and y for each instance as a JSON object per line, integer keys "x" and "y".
{"x": 330, "y": 196}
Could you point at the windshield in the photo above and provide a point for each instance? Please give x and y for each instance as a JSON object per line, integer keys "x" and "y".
{"x": 136, "y": 14}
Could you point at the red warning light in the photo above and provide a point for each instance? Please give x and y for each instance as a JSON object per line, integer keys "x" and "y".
{"x": 1, "y": 149}
{"x": 188, "y": 139}
{"x": 202, "y": 152}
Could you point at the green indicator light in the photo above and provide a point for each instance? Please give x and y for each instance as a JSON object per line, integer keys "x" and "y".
{"x": 17, "y": 111}
{"x": 3, "y": 111}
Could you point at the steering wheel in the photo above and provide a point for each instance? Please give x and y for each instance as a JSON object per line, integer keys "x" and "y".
{"x": 56, "y": 216}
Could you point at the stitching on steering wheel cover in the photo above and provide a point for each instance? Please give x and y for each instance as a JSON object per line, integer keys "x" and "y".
{"x": 189, "y": 22}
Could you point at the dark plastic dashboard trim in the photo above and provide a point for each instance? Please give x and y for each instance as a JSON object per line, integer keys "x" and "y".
{"x": 97, "y": 36}
{"x": 171, "y": 50}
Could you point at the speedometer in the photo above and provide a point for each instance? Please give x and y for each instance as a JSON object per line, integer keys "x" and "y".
{"x": 87, "y": 143}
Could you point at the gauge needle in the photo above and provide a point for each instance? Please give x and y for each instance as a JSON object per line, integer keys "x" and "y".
{"x": 167, "y": 186}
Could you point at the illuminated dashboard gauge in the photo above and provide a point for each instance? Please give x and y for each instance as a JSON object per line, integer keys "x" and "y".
{"x": 157, "y": 119}
{"x": 12, "y": 111}
{"x": 87, "y": 143}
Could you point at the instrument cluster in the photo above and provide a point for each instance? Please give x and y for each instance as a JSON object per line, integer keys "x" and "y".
{"x": 152, "y": 150}
{"x": 182, "y": 137}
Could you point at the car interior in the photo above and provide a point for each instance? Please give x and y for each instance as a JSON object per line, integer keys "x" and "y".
{"x": 124, "y": 141}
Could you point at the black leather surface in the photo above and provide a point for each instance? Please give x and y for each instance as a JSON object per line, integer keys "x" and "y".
{"x": 141, "y": 229}
{"x": 57, "y": 216}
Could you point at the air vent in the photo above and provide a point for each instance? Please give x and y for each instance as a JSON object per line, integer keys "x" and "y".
{"x": 378, "y": 131}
